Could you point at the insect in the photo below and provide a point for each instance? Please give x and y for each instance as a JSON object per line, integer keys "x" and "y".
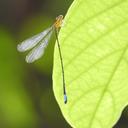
{"x": 39, "y": 42}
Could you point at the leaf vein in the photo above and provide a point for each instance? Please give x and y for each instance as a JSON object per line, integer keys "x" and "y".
{"x": 91, "y": 44}
{"x": 94, "y": 64}
{"x": 92, "y": 17}
{"x": 106, "y": 87}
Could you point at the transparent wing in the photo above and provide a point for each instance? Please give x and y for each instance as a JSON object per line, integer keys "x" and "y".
{"x": 33, "y": 41}
{"x": 38, "y": 51}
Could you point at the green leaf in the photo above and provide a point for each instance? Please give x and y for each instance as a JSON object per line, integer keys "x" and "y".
{"x": 94, "y": 44}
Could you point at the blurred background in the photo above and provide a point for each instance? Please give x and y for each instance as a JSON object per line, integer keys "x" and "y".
{"x": 26, "y": 96}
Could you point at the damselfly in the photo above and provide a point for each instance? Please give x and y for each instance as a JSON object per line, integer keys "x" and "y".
{"x": 39, "y": 42}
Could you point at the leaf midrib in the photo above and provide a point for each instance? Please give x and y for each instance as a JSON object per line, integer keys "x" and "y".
{"x": 106, "y": 87}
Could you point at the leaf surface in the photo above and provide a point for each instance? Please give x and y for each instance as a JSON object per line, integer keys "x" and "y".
{"x": 94, "y": 44}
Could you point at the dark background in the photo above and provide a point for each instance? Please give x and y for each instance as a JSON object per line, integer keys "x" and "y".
{"x": 26, "y": 96}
